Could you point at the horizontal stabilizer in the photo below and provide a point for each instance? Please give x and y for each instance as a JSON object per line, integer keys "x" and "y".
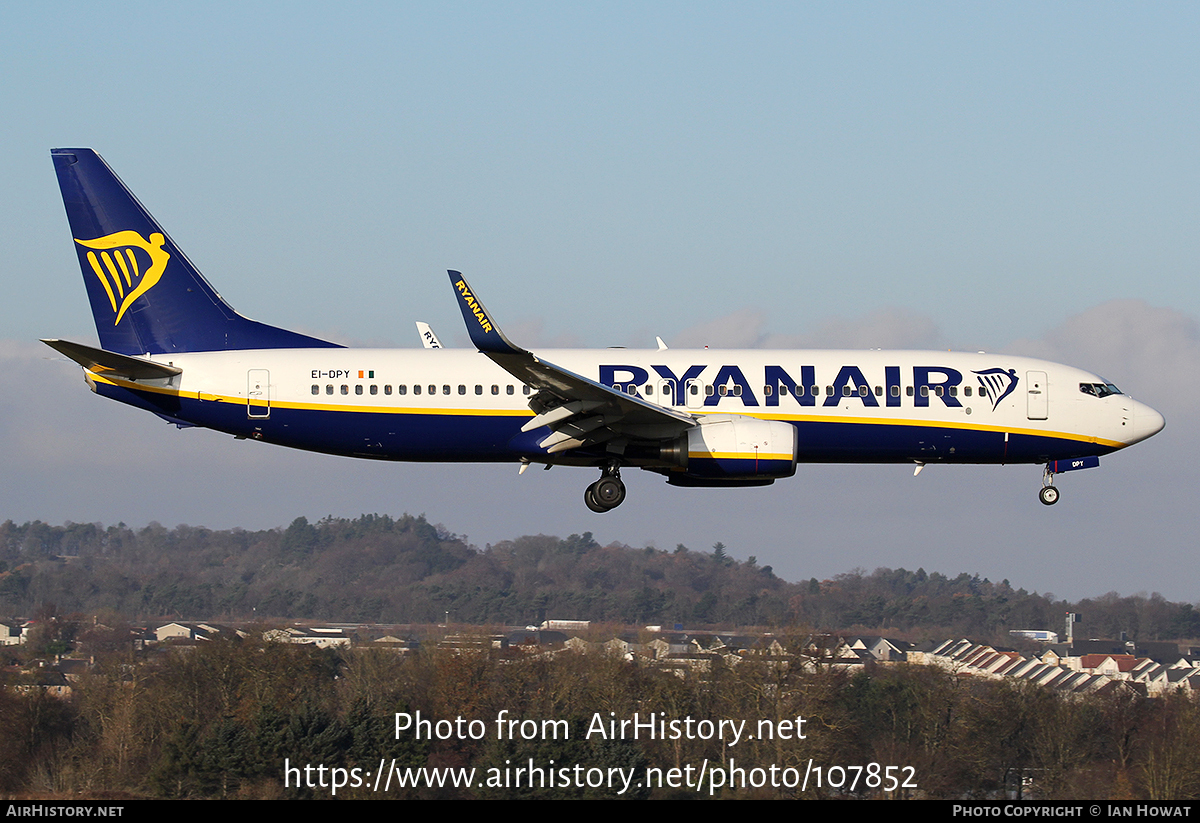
{"x": 99, "y": 361}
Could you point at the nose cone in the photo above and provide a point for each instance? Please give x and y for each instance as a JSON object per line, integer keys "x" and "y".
{"x": 1146, "y": 422}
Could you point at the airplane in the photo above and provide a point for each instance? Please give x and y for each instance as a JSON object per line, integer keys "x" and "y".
{"x": 169, "y": 344}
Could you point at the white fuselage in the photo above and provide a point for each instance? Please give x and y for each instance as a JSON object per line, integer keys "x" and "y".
{"x": 848, "y": 406}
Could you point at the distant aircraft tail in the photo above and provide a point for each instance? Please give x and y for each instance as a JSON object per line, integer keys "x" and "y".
{"x": 146, "y": 296}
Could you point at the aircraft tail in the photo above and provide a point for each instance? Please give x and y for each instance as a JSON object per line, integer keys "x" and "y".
{"x": 146, "y": 296}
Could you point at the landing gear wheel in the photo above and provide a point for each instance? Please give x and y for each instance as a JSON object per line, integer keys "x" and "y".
{"x": 1048, "y": 495}
{"x": 609, "y": 491}
{"x": 589, "y": 499}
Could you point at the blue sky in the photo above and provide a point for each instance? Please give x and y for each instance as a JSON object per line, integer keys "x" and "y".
{"x": 1011, "y": 177}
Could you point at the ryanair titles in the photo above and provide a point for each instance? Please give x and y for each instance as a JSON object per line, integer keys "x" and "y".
{"x": 473, "y": 304}
{"x": 915, "y": 384}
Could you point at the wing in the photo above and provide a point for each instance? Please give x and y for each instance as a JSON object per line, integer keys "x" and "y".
{"x": 578, "y": 411}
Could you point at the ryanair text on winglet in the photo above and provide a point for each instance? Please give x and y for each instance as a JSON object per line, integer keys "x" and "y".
{"x": 476, "y": 309}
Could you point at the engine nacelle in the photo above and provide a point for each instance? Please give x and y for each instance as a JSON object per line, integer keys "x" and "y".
{"x": 733, "y": 446}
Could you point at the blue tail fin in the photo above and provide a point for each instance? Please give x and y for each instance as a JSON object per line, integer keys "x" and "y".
{"x": 146, "y": 296}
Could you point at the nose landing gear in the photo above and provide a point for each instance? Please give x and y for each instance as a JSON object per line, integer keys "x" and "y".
{"x": 1048, "y": 495}
{"x": 606, "y": 493}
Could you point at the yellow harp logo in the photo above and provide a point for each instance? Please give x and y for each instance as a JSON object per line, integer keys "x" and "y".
{"x": 124, "y": 276}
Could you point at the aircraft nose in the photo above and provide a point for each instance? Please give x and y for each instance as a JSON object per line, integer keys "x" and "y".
{"x": 1146, "y": 422}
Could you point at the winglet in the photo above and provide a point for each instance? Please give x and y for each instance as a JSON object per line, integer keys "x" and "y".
{"x": 485, "y": 334}
{"x": 428, "y": 339}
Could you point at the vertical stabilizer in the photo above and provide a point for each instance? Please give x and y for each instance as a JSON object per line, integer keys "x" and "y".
{"x": 146, "y": 296}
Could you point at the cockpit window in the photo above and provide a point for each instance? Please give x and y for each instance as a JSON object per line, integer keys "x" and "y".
{"x": 1099, "y": 389}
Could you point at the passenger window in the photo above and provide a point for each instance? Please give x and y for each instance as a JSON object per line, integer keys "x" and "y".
{"x": 737, "y": 391}
{"x": 649, "y": 390}
{"x": 863, "y": 391}
{"x": 798, "y": 391}
{"x": 924, "y": 391}
{"x": 432, "y": 389}
{"x": 345, "y": 389}
{"x": 879, "y": 391}
{"x": 329, "y": 389}
{"x": 445, "y": 388}
{"x": 940, "y": 390}
{"x": 403, "y": 388}
{"x": 462, "y": 389}
{"x": 966, "y": 391}
{"x": 358, "y": 388}
{"x": 316, "y": 389}
{"x": 724, "y": 390}
{"x": 693, "y": 389}
{"x": 374, "y": 389}
{"x": 908, "y": 390}
{"x": 954, "y": 391}
{"x": 708, "y": 390}
{"x": 525, "y": 390}
{"x": 416, "y": 388}
{"x": 387, "y": 389}
{"x": 767, "y": 392}
{"x": 478, "y": 389}
{"x": 509, "y": 390}
{"x": 895, "y": 391}
{"x": 829, "y": 391}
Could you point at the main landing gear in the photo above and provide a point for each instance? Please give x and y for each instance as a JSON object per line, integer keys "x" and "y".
{"x": 1048, "y": 495}
{"x": 606, "y": 493}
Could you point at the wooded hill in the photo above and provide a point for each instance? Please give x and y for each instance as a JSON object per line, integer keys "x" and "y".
{"x": 377, "y": 568}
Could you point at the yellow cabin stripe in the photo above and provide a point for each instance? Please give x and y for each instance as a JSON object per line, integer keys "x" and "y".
{"x": 737, "y": 456}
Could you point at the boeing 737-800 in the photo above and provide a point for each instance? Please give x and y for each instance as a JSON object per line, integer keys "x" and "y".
{"x": 170, "y": 345}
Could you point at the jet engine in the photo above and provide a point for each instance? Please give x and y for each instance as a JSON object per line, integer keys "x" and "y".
{"x": 732, "y": 450}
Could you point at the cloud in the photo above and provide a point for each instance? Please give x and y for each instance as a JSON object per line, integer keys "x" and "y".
{"x": 890, "y": 328}
{"x": 743, "y": 329}
{"x": 1152, "y": 352}
{"x": 530, "y": 333}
